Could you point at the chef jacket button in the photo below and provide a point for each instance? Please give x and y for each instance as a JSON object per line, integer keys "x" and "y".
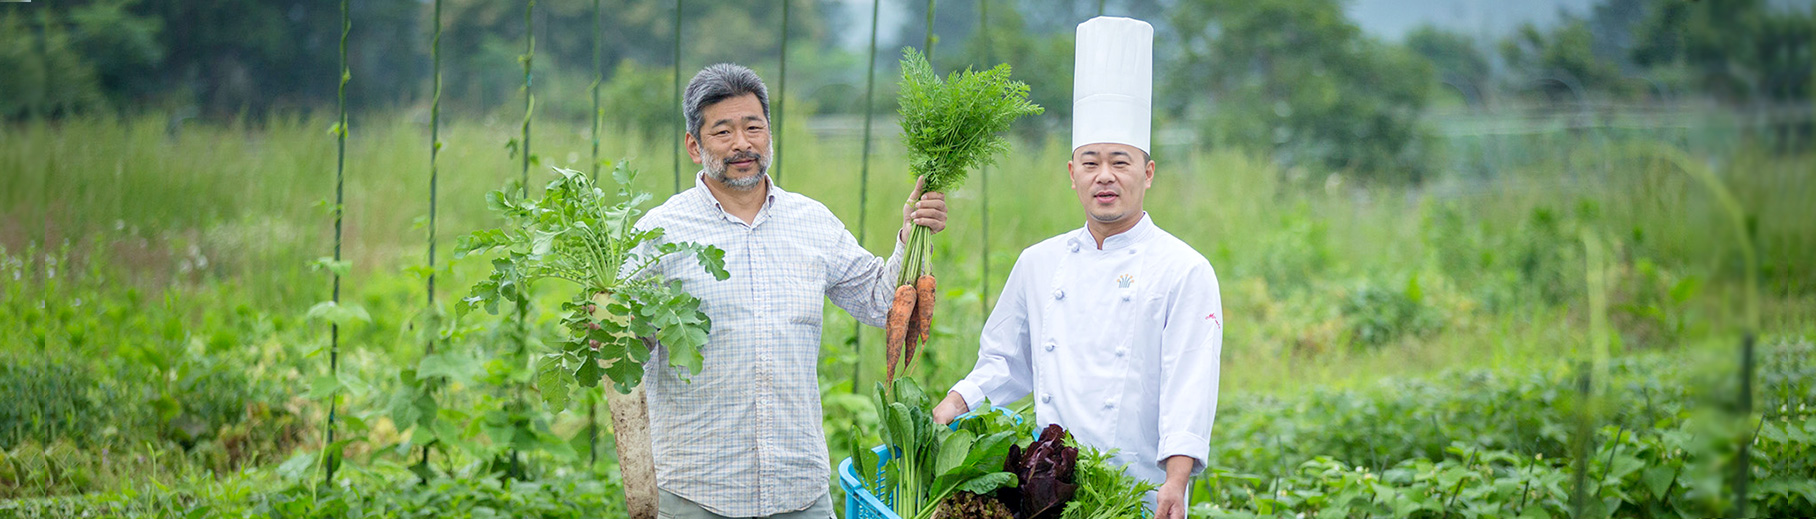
{"x": 1131, "y": 251}
{"x": 1073, "y": 246}
{"x": 1122, "y": 351}
{"x": 1050, "y": 344}
{"x": 1059, "y": 294}
{"x": 1045, "y": 398}
{"x": 1109, "y": 404}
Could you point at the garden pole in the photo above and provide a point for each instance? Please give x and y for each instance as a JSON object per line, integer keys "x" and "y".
{"x": 928, "y": 45}
{"x": 675, "y": 155}
{"x": 983, "y": 173}
{"x": 529, "y": 99}
{"x": 592, "y": 404}
{"x": 434, "y": 174}
{"x": 598, "y": 77}
{"x": 864, "y": 177}
{"x": 332, "y": 459}
{"x": 781, "y": 99}
{"x": 529, "y": 113}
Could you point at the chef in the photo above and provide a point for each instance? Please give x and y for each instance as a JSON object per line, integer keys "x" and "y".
{"x": 1116, "y": 327}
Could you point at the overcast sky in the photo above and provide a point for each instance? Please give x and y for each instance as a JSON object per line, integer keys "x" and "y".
{"x": 1386, "y": 19}
{"x": 1391, "y": 19}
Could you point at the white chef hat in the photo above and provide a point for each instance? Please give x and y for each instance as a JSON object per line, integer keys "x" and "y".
{"x": 1113, "y": 82}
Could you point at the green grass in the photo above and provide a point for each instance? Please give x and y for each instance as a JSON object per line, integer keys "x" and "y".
{"x": 155, "y": 255}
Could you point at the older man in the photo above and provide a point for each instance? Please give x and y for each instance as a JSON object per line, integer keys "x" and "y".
{"x": 1115, "y": 326}
{"x": 742, "y": 438}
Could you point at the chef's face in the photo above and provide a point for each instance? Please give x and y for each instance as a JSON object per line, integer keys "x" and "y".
{"x": 733, "y": 143}
{"x": 1111, "y": 180}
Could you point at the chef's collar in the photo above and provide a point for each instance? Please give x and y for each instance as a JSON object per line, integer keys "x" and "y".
{"x": 1082, "y": 239}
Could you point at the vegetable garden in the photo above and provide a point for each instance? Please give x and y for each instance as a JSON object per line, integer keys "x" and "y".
{"x": 254, "y": 319}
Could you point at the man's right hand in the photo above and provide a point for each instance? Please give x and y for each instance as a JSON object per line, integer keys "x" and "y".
{"x": 950, "y": 409}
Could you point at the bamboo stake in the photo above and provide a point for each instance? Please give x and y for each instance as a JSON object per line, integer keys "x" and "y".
{"x": 675, "y": 154}
{"x": 434, "y": 174}
{"x": 592, "y": 404}
{"x": 928, "y": 44}
{"x": 598, "y": 78}
{"x": 529, "y": 99}
{"x": 775, "y": 163}
{"x": 864, "y": 177}
{"x": 332, "y": 460}
{"x": 983, "y": 173}
{"x": 529, "y": 113}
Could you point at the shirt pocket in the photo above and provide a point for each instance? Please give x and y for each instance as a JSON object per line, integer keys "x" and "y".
{"x": 804, "y": 295}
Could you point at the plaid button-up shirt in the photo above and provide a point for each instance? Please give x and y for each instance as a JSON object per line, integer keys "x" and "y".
{"x": 743, "y": 437}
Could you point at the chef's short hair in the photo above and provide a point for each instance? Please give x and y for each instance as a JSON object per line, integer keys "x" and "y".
{"x": 717, "y": 83}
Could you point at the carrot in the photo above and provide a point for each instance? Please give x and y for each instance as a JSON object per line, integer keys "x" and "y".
{"x": 908, "y": 351}
{"x": 922, "y": 324}
{"x": 899, "y": 314}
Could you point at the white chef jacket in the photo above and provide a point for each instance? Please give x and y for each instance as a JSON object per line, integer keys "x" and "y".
{"x": 1120, "y": 345}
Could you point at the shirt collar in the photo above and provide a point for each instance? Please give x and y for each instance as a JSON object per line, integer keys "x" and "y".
{"x": 706, "y": 194}
{"x": 1082, "y": 239}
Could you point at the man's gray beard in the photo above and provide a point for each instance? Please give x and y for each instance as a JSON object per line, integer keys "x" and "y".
{"x": 716, "y": 169}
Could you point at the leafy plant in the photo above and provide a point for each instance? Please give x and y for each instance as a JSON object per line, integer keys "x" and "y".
{"x": 948, "y": 127}
{"x": 930, "y": 463}
{"x": 953, "y": 126}
{"x": 574, "y": 234}
{"x": 1105, "y": 490}
{"x": 1048, "y": 473}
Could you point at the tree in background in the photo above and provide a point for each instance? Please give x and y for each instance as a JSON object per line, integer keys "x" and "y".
{"x": 1561, "y": 63}
{"x": 61, "y": 63}
{"x": 1043, "y": 61}
{"x": 1298, "y": 78}
{"x": 1736, "y": 50}
{"x": 1455, "y": 57}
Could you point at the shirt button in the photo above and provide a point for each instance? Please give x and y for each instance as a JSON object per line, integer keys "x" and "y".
{"x": 1045, "y": 398}
{"x": 1109, "y": 404}
{"x": 1131, "y": 251}
{"x": 1050, "y": 344}
{"x": 1073, "y": 246}
{"x": 1059, "y": 294}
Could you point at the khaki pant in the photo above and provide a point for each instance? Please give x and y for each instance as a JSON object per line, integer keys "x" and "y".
{"x": 676, "y": 507}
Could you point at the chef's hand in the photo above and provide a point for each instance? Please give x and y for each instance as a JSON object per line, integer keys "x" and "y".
{"x": 1170, "y": 504}
{"x": 926, "y": 210}
{"x": 950, "y": 409}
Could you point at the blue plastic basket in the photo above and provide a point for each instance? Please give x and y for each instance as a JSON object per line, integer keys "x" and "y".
{"x": 860, "y": 503}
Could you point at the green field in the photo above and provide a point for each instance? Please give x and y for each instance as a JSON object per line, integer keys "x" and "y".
{"x": 155, "y": 288}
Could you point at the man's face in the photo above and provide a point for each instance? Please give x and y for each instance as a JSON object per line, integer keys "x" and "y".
{"x": 1111, "y": 180}
{"x": 733, "y": 143}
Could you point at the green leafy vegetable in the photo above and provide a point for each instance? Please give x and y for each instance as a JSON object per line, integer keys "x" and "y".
{"x": 932, "y": 462}
{"x": 950, "y": 127}
{"x": 1105, "y": 490}
{"x": 573, "y": 233}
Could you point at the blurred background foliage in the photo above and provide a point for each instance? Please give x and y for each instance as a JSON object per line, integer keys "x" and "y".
{"x": 1407, "y": 224}
{"x": 1297, "y": 78}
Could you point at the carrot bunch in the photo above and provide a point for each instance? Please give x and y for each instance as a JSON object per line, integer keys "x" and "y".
{"x": 911, "y": 315}
{"x": 949, "y": 127}
{"x": 910, "y": 322}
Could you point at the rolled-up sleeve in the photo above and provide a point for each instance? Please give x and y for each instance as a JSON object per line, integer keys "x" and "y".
{"x": 1004, "y": 372}
{"x": 862, "y": 283}
{"x": 1191, "y": 343}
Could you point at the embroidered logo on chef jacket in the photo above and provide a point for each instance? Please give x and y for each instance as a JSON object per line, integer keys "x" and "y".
{"x": 1213, "y": 318}
{"x": 1124, "y": 281}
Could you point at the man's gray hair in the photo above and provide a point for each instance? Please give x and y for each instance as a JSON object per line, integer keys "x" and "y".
{"x": 718, "y": 83}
